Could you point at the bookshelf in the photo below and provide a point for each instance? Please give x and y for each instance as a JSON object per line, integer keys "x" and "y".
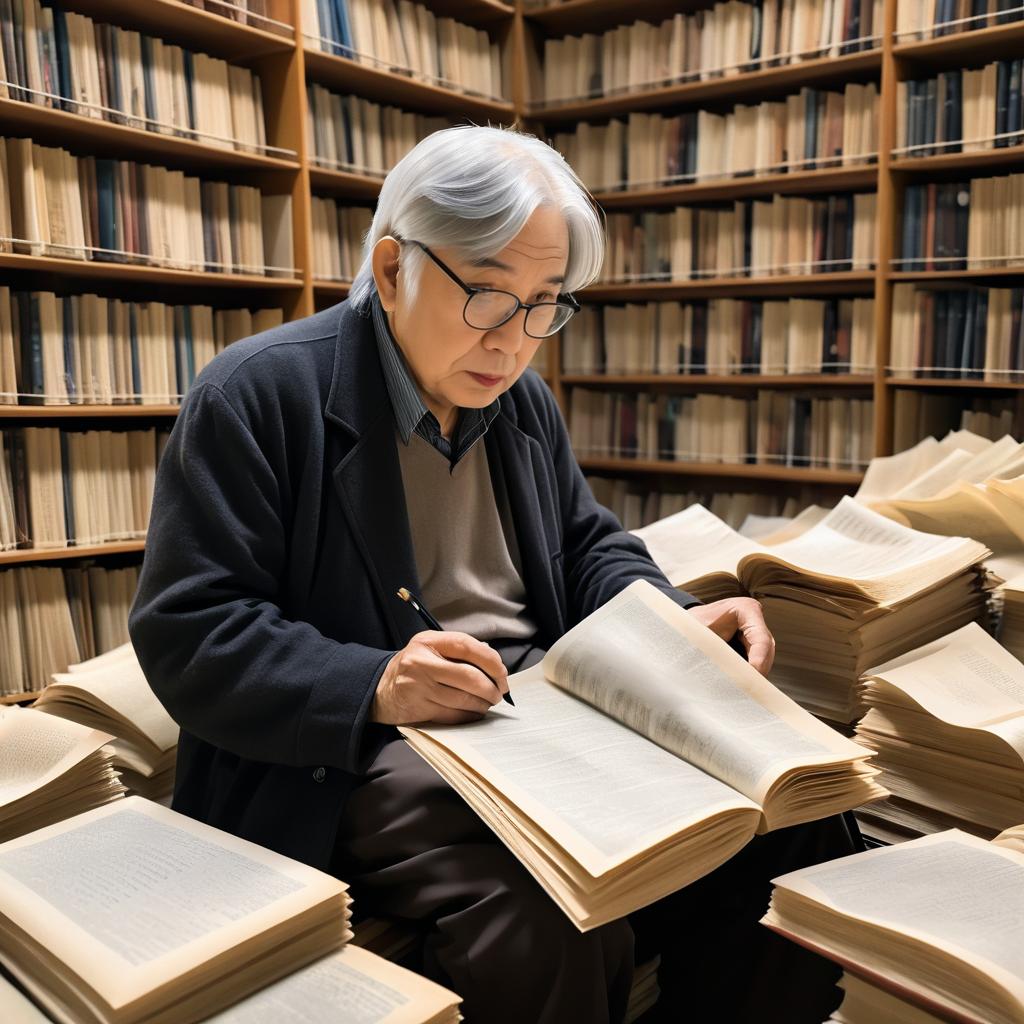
{"x": 280, "y": 49}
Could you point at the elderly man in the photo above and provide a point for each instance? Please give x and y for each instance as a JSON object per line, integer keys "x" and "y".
{"x": 398, "y": 439}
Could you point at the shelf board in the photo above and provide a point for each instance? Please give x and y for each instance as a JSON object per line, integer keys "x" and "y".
{"x": 970, "y": 163}
{"x": 74, "y": 412}
{"x": 474, "y": 12}
{"x": 732, "y": 380}
{"x": 839, "y": 477}
{"x": 826, "y": 179}
{"x": 189, "y": 26}
{"x": 17, "y": 698}
{"x": 820, "y": 70}
{"x": 998, "y": 42}
{"x": 954, "y": 275}
{"x": 954, "y": 382}
{"x": 597, "y": 15}
{"x": 23, "y": 555}
{"x": 390, "y": 87}
{"x": 105, "y": 138}
{"x": 853, "y": 282}
{"x": 344, "y": 184}
{"x": 332, "y": 289}
{"x": 143, "y": 274}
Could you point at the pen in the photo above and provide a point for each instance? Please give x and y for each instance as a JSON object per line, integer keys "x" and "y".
{"x": 407, "y": 595}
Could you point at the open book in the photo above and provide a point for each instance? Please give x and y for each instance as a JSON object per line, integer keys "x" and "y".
{"x": 50, "y": 769}
{"x": 939, "y": 921}
{"x": 133, "y": 912}
{"x": 641, "y": 754}
{"x": 110, "y": 692}
{"x": 947, "y": 724}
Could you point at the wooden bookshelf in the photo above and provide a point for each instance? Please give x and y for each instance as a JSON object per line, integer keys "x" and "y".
{"x": 734, "y": 470}
{"x": 721, "y": 380}
{"x": 21, "y": 556}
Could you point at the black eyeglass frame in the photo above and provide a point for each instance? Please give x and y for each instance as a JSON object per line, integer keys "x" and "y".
{"x": 562, "y": 299}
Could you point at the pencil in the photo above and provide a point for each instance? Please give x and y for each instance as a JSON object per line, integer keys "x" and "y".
{"x": 410, "y": 598}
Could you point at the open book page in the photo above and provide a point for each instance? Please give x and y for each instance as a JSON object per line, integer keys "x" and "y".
{"x": 999, "y": 460}
{"x": 1012, "y": 837}
{"x": 937, "y": 478}
{"x": 35, "y": 749}
{"x": 863, "y": 549}
{"x": 649, "y": 664}
{"x": 132, "y": 895}
{"x": 952, "y": 890}
{"x": 886, "y": 474}
{"x": 121, "y": 686}
{"x": 351, "y": 985}
{"x": 797, "y": 527}
{"x": 755, "y": 526}
{"x": 600, "y": 790}
{"x": 693, "y": 543}
{"x": 967, "y": 440}
{"x": 966, "y": 679}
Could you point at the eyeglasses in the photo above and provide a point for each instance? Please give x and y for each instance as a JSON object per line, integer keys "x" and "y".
{"x": 487, "y": 308}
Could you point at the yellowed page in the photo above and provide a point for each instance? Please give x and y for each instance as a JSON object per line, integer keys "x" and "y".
{"x": 967, "y": 440}
{"x": 865, "y": 1003}
{"x": 152, "y": 894}
{"x": 649, "y": 664}
{"x": 1012, "y": 837}
{"x": 350, "y": 985}
{"x": 802, "y": 522}
{"x": 951, "y": 891}
{"x": 35, "y": 749}
{"x": 936, "y": 478}
{"x": 966, "y": 679}
{"x": 693, "y": 543}
{"x": 1004, "y": 455}
{"x": 886, "y": 474}
{"x": 601, "y": 791}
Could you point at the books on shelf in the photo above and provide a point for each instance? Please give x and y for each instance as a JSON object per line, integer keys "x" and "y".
{"x": 809, "y": 130}
{"x": 968, "y": 225}
{"x": 687, "y": 785}
{"x": 919, "y": 413}
{"x": 751, "y": 238}
{"x": 773, "y": 428}
{"x": 724, "y": 40}
{"x": 258, "y": 13}
{"x": 52, "y": 618}
{"x": 946, "y": 725}
{"x": 923, "y": 19}
{"x": 50, "y": 769}
{"x": 961, "y": 110}
{"x": 78, "y": 487}
{"x": 88, "y": 349}
{"x": 938, "y": 922}
{"x": 110, "y": 693}
{"x": 337, "y": 240}
{"x": 946, "y": 333}
{"x": 161, "y": 918}
{"x": 349, "y": 133}
{"x": 722, "y": 336}
{"x": 53, "y": 203}
{"x": 67, "y": 61}
{"x": 407, "y": 39}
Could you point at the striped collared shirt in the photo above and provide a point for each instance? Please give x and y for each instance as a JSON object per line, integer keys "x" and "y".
{"x": 411, "y": 414}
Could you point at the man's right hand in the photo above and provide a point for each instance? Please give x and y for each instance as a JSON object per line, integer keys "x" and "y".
{"x": 425, "y": 682}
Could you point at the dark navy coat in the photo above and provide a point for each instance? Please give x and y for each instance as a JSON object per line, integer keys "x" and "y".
{"x": 266, "y": 609}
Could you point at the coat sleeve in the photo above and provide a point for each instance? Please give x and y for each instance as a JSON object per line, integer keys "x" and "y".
{"x": 600, "y": 558}
{"x": 217, "y": 650}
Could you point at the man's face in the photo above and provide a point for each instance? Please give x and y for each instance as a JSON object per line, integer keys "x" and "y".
{"x": 461, "y": 366}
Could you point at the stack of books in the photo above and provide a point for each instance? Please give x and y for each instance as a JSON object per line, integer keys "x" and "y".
{"x": 1011, "y": 633}
{"x": 946, "y": 724}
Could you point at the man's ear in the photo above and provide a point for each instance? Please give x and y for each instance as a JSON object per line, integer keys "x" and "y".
{"x": 385, "y": 262}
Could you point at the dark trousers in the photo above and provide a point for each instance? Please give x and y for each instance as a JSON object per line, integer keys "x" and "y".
{"x": 411, "y": 849}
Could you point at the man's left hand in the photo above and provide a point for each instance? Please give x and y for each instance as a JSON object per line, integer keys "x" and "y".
{"x": 742, "y": 615}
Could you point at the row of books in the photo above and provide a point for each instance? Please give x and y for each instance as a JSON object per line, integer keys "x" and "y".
{"x": 61, "y": 487}
{"x": 963, "y": 225}
{"x": 408, "y": 39}
{"x": 58, "y": 58}
{"x": 961, "y": 110}
{"x": 54, "y": 617}
{"x": 53, "y": 203}
{"x": 727, "y": 39}
{"x": 722, "y": 336}
{"x": 973, "y": 332}
{"x": 348, "y": 133}
{"x": 88, "y": 349}
{"x": 918, "y": 413}
{"x": 772, "y": 428}
{"x": 752, "y": 238}
{"x": 923, "y": 19}
{"x": 338, "y": 233}
{"x": 808, "y": 130}
{"x": 258, "y": 13}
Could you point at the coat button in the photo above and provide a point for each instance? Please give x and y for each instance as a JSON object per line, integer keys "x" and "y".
{"x": 320, "y": 774}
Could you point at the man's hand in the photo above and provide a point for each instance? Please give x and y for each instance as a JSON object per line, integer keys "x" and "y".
{"x": 427, "y": 682}
{"x": 742, "y": 614}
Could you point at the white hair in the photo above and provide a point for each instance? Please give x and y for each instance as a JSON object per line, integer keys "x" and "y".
{"x": 474, "y": 188}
